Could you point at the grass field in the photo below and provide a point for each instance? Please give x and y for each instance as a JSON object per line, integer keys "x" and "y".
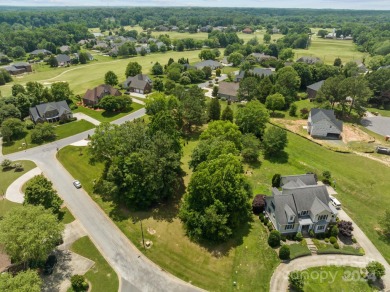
{"x": 246, "y": 258}
{"x": 382, "y": 112}
{"x": 62, "y": 131}
{"x": 67, "y": 217}
{"x": 298, "y": 250}
{"x": 104, "y": 116}
{"x": 328, "y": 50}
{"x": 83, "y": 77}
{"x": 102, "y": 277}
{"x": 334, "y": 278}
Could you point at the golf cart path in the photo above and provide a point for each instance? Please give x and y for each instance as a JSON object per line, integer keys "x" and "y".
{"x": 14, "y": 192}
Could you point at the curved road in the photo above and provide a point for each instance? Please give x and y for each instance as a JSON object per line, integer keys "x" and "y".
{"x": 135, "y": 271}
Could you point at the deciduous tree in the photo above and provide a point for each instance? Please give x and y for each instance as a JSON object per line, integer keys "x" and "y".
{"x": 274, "y": 140}
{"x": 252, "y": 118}
{"x": 133, "y": 68}
{"x": 111, "y": 78}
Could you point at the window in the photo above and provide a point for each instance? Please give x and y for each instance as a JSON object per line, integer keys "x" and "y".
{"x": 321, "y": 227}
{"x": 322, "y": 217}
{"x": 272, "y": 205}
{"x": 303, "y": 213}
{"x": 291, "y": 218}
{"x": 289, "y": 226}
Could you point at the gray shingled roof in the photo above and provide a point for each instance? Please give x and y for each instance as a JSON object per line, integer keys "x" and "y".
{"x": 39, "y": 110}
{"x": 309, "y": 60}
{"x": 208, "y": 63}
{"x": 304, "y": 196}
{"x": 63, "y": 58}
{"x": 324, "y": 121}
{"x": 138, "y": 81}
{"x": 307, "y": 179}
{"x": 316, "y": 86}
{"x": 228, "y": 88}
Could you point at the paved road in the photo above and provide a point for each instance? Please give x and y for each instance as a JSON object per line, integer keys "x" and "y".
{"x": 14, "y": 192}
{"x": 137, "y": 273}
{"x": 379, "y": 125}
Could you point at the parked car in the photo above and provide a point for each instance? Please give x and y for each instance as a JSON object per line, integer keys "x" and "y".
{"x": 336, "y": 203}
{"x": 382, "y": 150}
{"x": 77, "y": 184}
{"x": 50, "y": 264}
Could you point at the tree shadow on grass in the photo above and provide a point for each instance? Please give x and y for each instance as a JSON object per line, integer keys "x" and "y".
{"x": 279, "y": 158}
{"x": 220, "y": 249}
{"x": 383, "y": 237}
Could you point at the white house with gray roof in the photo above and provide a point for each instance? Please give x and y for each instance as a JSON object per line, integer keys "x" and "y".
{"x": 300, "y": 206}
{"x": 322, "y": 124}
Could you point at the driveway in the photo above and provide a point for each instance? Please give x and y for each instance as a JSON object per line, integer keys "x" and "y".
{"x": 379, "y": 125}
{"x": 14, "y": 192}
{"x": 136, "y": 272}
{"x": 82, "y": 116}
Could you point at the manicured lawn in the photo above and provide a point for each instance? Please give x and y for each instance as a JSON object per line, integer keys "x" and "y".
{"x": 382, "y": 112}
{"x": 102, "y": 277}
{"x": 83, "y": 77}
{"x": 104, "y": 116}
{"x": 327, "y": 248}
{"x": 246, "y": 258}
{"x": 298, "y": 250}
{"x": 62, "y": 131}
{"x": 9, "y": 176}
{"x": 6, "y": 206}
{"x": 334, "y": 278}
{"x": 328, "y": 50}
{"x": 67, "y": 217}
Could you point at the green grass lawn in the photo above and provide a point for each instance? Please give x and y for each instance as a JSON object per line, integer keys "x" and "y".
{"x": 102, "y": 277}
{"x": 6, "y": 178}
{"x": 83, "y": 77}
{"x": 246, "y": 258}
{"x": 62, "y": 131}
{"x": 334, "y": 278}
{"x": 327, "y": 248}
{"x": 382, "y": 112}
{"x": 298, "y": 250}
{"x": 328, "y": 50}
{"x": 104, "y": 116}
{"x": 67, "y": 216}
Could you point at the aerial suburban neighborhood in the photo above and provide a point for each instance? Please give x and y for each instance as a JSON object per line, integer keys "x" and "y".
{"x": 193, "y": 148}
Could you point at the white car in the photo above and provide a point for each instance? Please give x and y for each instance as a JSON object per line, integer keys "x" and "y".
{"x": 77, "y": 184}
{"x": 335, "y": 202}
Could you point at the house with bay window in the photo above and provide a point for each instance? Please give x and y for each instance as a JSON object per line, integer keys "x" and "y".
{"x": 300, "y": 206}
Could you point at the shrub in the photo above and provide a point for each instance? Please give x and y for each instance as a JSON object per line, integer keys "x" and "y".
{"x": 276, "y": 180}
{"x": 258, "y": 204}
{"x": 266, "y": 220}
{"x": 18, "y": 167}
{"x": 311, "y": 233}
{"x": 327, "y": 177}
{"x": 6, "y": 164}
{"x": 78, "y": 283}
{"x": 326, "y": 240}
{"x": 345, "y": 228}
{"x": 29, "y": 125}
{"x": 336, "y": 245}
{"x": 334, "y": 231}
{"x": 304, "y": 113}
{"x": 284, "y": 252}
{"x": 293, "y": 110}
{"x": 274, "y": 238}
{"x": 283, "y": 238}
{"x": 296, "y": 281}
{"x": 270, "y": 226}
{"x": 376, "y": 269}
{"x": 333, "y": 239}
{"x": 354, "y": 239}
{"x": 262, "y": 217}
{"x": 298, "y": 236}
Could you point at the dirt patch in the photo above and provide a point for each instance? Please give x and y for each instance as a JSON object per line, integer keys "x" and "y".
{"x": 151, "y": 231}
{"x": 352, "y": 133}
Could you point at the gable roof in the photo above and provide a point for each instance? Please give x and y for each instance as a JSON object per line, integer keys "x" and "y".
{"x": 228, "y": 88}
{"x": 309, "y": 60}
{"x": 316, "y": 86}
{"x": 98, "y": 92}
{"x": 325, "y": 120}
{"x": 307, "y": 179}
{"x": 39, "y": 111}
{"x": 208, "y": 63}
{"x": 42, "y": 51}
{"x": 62, "y": 58}
{"x": 138, "y": 81}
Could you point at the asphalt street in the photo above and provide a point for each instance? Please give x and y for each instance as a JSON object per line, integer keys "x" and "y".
{"x": 137, "y": 273}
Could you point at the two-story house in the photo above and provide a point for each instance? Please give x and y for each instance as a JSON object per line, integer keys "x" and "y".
{"x": 302, "y": 205}
{"x": 50, "y": 112}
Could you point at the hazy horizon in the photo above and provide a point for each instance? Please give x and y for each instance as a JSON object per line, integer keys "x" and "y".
{"x": 310, "y": 4}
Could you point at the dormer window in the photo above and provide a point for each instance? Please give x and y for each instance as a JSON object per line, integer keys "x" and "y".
{"x": 305, "y": 212}
{"x": 291, "y": 219}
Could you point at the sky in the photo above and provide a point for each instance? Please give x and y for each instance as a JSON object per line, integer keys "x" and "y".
{"x": 335, "y": 4}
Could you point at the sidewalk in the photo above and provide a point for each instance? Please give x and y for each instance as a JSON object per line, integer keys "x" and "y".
{"x": 14, "y": 191}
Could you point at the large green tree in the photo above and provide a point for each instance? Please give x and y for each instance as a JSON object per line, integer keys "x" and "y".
{"x": 248, "y": 89}
{"x": 224, "y": 130}
{"x": 252, "y": 118}
{"x": 11, "y": 128}
{"x": 132, "y": 69}
{"x": 227, "y": 114}
{"x": 287, "y": 82}
{"x": 60, "y": 91}
{"x": 216, "y": 201}
{"x": 30, "y": 233}
{"x": 112, "y": 103}
{"x": 274, "y": 140}
{"x": 194, "y": 108}
{"x": 275, "y": 102}
{"x": 40, "y": 191}
{"x": 111, "y": 78}
{"x": 214, "y": 109}
{"x": 24, "y": 281}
